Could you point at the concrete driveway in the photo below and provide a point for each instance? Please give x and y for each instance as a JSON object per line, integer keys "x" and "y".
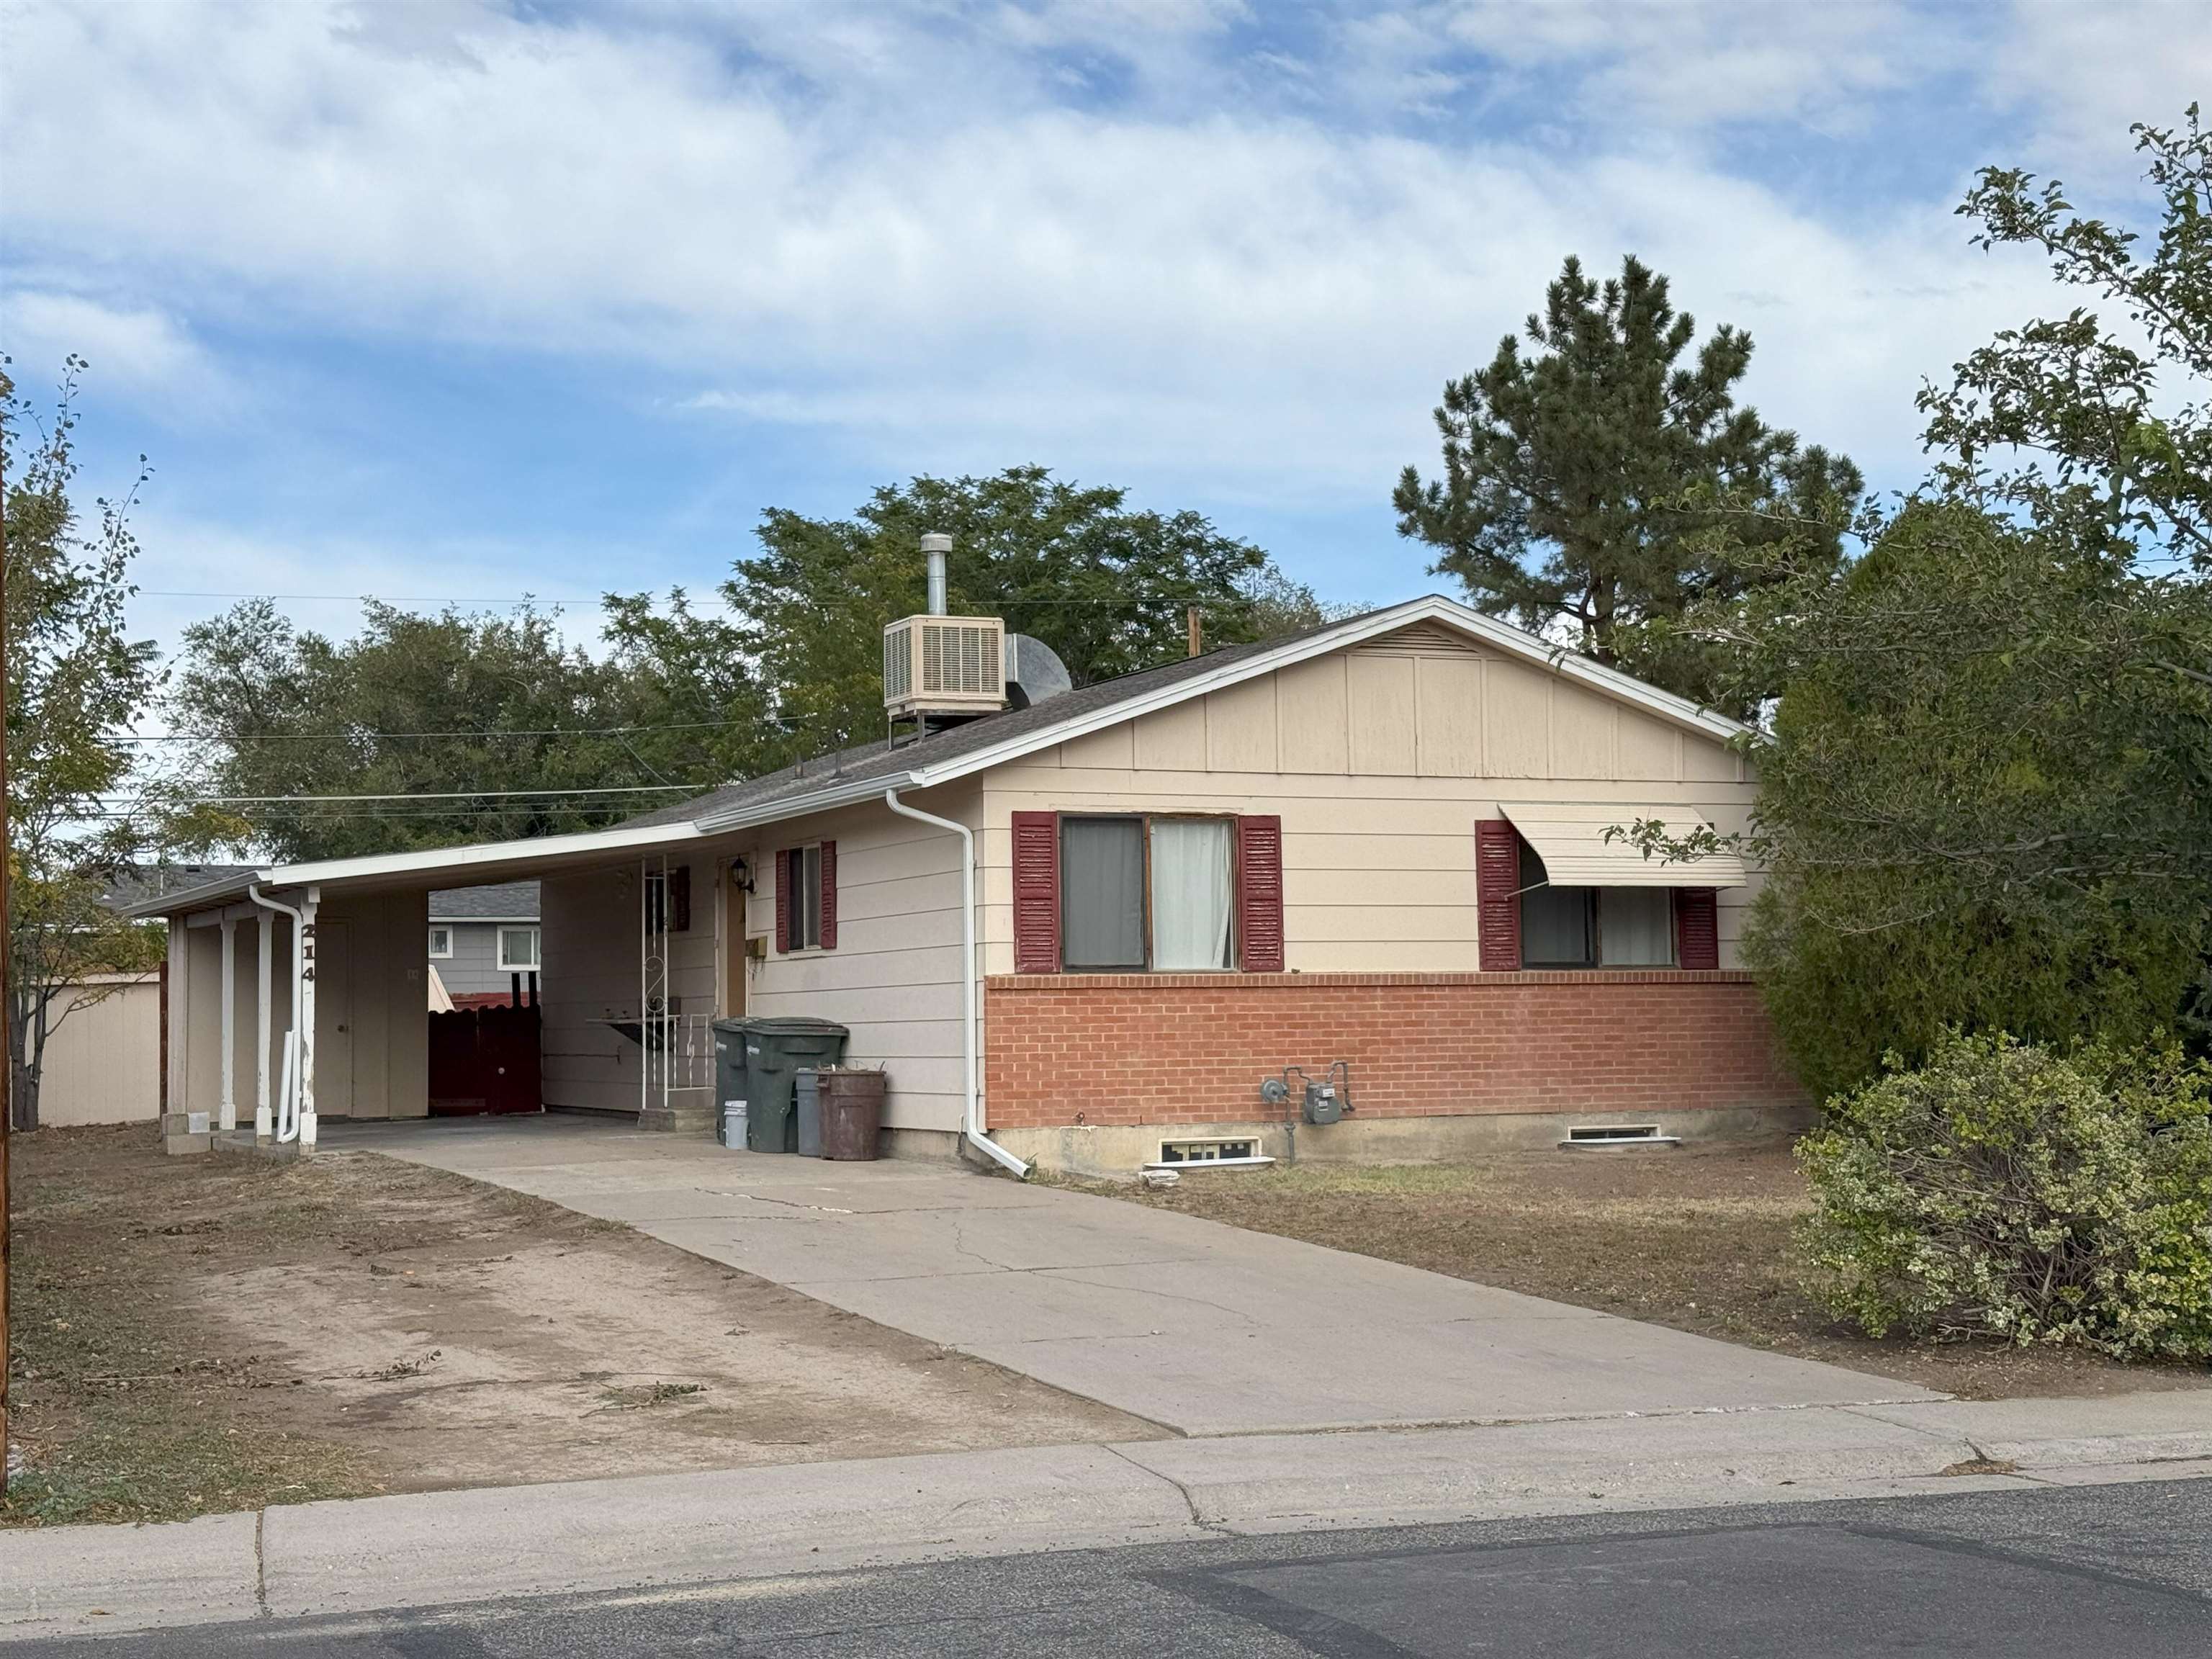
{"x": 1204, "y": 1328}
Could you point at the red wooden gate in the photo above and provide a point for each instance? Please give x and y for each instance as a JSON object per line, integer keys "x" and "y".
{"x": 484, "y": 1060}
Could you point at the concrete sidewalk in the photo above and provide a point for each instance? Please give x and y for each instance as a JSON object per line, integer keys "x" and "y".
{"x": 1205, "y": 1328}
{"x": 438, "y": 1549}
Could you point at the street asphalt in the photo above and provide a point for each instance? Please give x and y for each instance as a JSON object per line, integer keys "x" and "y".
{"x": 2121, "y": 1571}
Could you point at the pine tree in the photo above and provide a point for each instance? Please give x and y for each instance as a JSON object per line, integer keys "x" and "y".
{"x": 1581, "y": 480}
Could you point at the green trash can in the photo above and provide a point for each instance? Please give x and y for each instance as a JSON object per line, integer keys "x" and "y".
{"x": 775, "y": 1050}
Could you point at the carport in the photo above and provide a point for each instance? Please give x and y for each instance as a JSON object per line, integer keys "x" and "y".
{"x": 300, "y": 991}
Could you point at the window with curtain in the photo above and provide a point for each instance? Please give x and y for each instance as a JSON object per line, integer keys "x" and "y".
{"x": 1138, "y": 893}
{"x": 1194, "y": 896}
{"x": 805, "y": 897}
{"x": 1593, "y": 927}
{"x": 1636, "y": 927}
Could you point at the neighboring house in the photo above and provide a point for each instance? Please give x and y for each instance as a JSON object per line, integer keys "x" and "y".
{"x": 481, "y": 939}
{"x": 103, "y": 1061}
{"x": 1382, "y": 843}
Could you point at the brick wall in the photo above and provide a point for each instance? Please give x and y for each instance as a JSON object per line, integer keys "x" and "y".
{"x": 1128, "y": 1048}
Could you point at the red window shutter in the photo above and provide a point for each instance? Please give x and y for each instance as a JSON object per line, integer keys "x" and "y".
{"x": 1036, "y": 892}
{"x": 1696, "y": 927}
{"x": 782, "y": 900}
{"x": 679, "y": 899}
{"x": 1496, "y": 895}
{"x": 829, "y": 895}
{"x": 1259, "y": 894}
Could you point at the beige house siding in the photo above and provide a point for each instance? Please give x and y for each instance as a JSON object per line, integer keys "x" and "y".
{"x": 372, "y": 1040}
{"x": 894, "y": 978}
{"x": 895, "y": 975}
{"x": 588, "y": 977}
{"x": 1379, "y": 759}
{"x": 103, "y": 1058}
{"x": 371, "y": 1029}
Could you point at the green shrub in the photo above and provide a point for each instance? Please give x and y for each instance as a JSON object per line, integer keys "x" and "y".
{"x": 1842, "y": 997}
{"x": 2003, "y": 1189}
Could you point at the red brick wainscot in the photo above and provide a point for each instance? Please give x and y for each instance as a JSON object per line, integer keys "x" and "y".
{"x": 1119, "y": 1049}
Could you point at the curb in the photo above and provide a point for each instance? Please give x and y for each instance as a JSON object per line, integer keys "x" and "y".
{"x": 430, "y": 1549}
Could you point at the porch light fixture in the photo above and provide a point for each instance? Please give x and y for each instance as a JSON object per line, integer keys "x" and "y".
{"x": 741, "y": 876}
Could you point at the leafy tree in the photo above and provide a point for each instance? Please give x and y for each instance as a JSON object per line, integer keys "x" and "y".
{"x": 1987, "y": 796}
{"x": 1573, "y": 474}
{"x": 682, "y": 680}
{"x": 422, "y": 707}
{"x": 76, "y": 682}
{"x": 1987, "y": 790}
{"x": 1107, "y": 587}
{"x": 2060, "y": 422}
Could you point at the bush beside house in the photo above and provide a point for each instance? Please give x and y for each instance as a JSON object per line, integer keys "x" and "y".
{"x": 2004, "y": 1189}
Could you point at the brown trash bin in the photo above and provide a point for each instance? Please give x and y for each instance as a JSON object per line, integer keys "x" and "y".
{"x": 852, "y": 1113}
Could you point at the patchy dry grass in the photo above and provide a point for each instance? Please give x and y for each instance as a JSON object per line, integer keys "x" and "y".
{"x": 1696, "y": 1239}
{"x": 210, "y": 1333}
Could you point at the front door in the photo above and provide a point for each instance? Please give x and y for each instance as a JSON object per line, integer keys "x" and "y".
{"x": 334, "y": 1020}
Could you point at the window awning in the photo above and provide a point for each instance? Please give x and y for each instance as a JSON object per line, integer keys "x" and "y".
{"x": 1570, "y": 837}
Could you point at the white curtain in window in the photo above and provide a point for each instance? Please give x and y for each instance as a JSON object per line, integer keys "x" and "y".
{"x": 1636, "y": 927}
{"x": 1102, "y": 892}
{"x": 1192, "y": 896}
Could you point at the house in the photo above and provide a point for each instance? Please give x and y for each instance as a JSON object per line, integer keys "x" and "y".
{"x": 483, "y": 942}
{"x": 1091, "y": 927}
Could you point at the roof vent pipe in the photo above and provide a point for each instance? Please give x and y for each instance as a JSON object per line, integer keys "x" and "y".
{"x": 935, "y": 546}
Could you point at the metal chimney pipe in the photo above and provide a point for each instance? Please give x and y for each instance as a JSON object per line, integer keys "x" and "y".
{"x": 936, "y": 545}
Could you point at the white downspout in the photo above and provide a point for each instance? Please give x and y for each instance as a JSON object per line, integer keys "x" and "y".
{"x": 287, "y": 1125}
{"x": 265, "y": 1120}
{"x": 971, "y": 1126}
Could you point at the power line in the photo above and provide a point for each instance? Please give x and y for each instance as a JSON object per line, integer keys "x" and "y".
{"x": 450, "y": 794}
{"x": 601, "y": 601}
{"x": 481, "y": 732}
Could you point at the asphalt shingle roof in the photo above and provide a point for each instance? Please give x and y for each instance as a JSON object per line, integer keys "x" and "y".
{"x": 882, "y": 759}
{"x": 507, "y": 900}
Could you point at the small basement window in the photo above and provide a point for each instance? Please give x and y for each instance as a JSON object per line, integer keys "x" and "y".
{"x": 1207, "y": 1152}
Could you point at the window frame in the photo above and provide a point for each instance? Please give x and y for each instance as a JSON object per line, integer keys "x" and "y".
{"x": 1594, "y": 914}
{"x": 1145, "y": 821}
{"x": 445, "y": 954}
{"x": 805, "y": 897}
{"x": 537, "y": 948}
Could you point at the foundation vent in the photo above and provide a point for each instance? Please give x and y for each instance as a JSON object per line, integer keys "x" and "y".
{"x": 1594, "y": 1135}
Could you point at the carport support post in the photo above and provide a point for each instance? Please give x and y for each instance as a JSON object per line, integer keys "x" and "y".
{"x": 265, "y": 1123}
{"x": 306, "y": 958}
{"x": 227, "y": 1101}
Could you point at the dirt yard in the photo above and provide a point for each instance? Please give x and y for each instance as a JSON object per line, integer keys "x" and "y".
{"x": 200, "y": 1334}
{"x": 1693, "y": 1239}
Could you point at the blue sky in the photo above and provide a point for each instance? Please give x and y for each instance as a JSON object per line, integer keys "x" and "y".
{"x": 470, "y": 299}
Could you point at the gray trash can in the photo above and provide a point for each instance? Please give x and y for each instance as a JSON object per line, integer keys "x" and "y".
{"x": 806, "y": 1101}
{"x": 775, "y": 1049}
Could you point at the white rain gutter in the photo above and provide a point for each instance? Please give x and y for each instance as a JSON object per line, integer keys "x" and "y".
{"x": 287, "y": 1126}
{"x": 971, "y": 1126}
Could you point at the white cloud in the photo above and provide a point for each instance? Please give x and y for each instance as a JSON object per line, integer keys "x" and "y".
{"x": 139, "y": 350}
{"x": 942, "y": 233}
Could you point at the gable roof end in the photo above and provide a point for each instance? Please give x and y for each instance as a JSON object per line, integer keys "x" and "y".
{"x": 969, "y": 749}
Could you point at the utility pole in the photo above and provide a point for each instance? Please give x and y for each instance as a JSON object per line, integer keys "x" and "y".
{"x": 7, "y": 1047}
{"x": 1197, "y": 638}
